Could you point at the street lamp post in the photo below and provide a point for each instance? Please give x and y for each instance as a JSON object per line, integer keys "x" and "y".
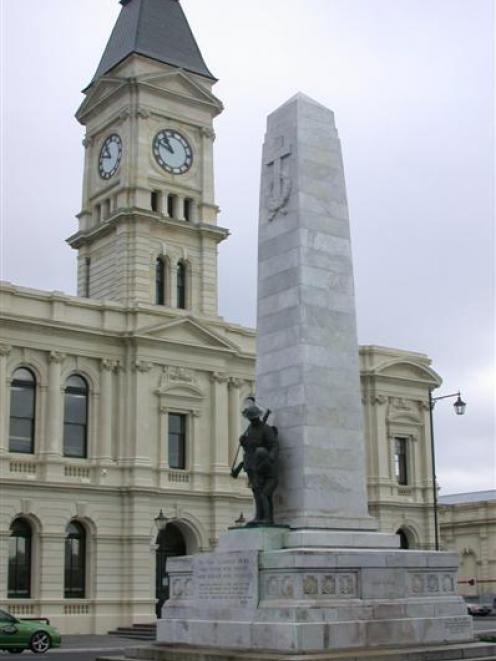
{"x": 459, "y": 407}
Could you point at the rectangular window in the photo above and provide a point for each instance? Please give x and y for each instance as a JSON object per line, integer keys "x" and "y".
{"x": 106, "y": 209}
{"x": 155, "y": 201}
{"x": 188, "y": 209}
{"x": 400, "y": 460}
{"x": 75, "y": 423}
{"x": 177, "y": 441}
{"x": 171, "y": 205}
{"x": 87, "y": 267}
{"x": 21, "y": 434}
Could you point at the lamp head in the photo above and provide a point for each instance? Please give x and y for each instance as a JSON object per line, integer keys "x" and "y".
{"x": 161, "y": 521}
{"x": 459, "y": 406}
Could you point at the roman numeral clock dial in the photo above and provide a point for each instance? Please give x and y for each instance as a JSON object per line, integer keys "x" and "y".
{"x": 110, "y": 156}
{"x": 172, "y": 151}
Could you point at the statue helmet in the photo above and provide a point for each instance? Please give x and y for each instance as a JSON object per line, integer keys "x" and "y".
{"x": 252, "y": 412}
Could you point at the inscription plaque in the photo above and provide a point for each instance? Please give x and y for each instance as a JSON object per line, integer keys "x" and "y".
{"x": 226, "y": 579}
{"x": 461, "y": 625}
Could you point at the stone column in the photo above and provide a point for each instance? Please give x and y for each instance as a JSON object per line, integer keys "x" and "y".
{"x": 178, "y": 211}
{"x": 208, "y": 138}
{"x": 54, "y": 418}
{"x": 103, "y": 451}
{"x": 164, "y": 437}
{"x": 193, "y": 211}
{"x": 121, "y": 428}
{"x": 220, "y": 420}
{"x": 192, "y": 442}
{"x": 234, "y": 416}
{"x": 307, "y": 349}
{"x": 141, "y": 425}
{"x": 4, "y": 399}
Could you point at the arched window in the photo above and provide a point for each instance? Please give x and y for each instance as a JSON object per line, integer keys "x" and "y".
{"x": 19, "y": 580}
{"x": 75, "y": 417}
{"x": 181, "y": 285}
{"x": 22, "y": 411}
{"x": 404, "y": 543}
{"x": 75, "y": 562}
{"x": 160, "y": 281}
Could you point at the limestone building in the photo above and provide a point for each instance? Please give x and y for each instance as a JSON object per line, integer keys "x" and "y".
{"x": 125, "y": 400}
{"x": 468, "y": 526}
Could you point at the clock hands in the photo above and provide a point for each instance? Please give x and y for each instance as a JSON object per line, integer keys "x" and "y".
{"x": 165, "y": 142}
{"x": 106, "y": 152}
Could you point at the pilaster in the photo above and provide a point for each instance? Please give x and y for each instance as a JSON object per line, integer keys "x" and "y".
{"x": 234, "y": 387}
{"x": 103, "y": 450}
{"x": 220, "y": 455}
{"x": 5, "y": 349}
{"x": 141, "y": 430}
{"x": 54, "y": 420}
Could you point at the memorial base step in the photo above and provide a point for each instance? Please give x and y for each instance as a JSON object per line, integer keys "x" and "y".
{"x": 465, "y": 652}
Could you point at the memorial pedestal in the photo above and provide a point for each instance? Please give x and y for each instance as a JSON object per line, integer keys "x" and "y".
{"x": 261, "y": 594}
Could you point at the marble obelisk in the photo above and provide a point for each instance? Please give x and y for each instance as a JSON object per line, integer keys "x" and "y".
{"x": 307, "y": 349}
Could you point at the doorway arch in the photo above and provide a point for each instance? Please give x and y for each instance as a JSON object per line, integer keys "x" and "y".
{"x": 170, "y": 544}
{"x": 404, "y": 539}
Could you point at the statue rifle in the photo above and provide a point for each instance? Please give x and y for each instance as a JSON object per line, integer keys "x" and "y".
{"x": 264, "y": 420}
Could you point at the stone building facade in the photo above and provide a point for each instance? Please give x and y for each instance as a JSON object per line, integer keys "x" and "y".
{"x": 126, "y": 399}
{"x": 468, "y": 526}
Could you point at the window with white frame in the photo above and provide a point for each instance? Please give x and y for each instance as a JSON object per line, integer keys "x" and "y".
{"x": 401, "y": 460}
{"x": 22, "y": 411}
{"x": 177, "y": 440}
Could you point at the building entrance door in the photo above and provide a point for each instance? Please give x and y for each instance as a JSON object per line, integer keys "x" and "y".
{"x": 170, "y": 544}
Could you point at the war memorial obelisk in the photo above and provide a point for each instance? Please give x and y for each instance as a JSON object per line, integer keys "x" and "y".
{"x": 323, "y": 579}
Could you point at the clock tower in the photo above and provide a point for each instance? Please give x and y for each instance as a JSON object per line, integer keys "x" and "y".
{"x": 148, "y": 229}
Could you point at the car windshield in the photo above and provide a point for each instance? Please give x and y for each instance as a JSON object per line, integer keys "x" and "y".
{"x": 6, "y": 617}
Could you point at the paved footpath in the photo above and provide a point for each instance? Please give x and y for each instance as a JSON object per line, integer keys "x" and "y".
{"x": 84, "y": 648}
{"x": 486, "y": 625}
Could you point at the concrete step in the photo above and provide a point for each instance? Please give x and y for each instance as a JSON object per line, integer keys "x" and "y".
{"x": 469, "y": 651}
{"x": 145, "y": 631}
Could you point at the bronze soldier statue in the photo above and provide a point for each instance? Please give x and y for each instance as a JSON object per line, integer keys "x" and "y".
{"x": 260, "y": 462}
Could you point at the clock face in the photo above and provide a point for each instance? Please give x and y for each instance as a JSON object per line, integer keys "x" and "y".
{"x": 110, "y": 156}
{"x": 172, "y": 151}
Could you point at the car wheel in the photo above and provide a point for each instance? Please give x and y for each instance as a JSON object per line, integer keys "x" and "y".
{"x": 40, "y": 642}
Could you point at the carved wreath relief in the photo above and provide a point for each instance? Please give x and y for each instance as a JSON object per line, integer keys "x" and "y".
{"x": 278, "y": 178}
{"x": 430, "y": 583}
{"x": 182, "y": 587}
{"x": 318, "y": 585}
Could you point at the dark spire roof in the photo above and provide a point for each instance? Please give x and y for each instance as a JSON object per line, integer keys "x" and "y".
{"x": 157, "y": 29}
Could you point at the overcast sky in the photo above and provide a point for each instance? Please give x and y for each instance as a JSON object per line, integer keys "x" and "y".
{"x": 411, "y": 83}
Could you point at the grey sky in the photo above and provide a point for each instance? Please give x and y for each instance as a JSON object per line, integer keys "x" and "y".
{"x": 412, "y": 85}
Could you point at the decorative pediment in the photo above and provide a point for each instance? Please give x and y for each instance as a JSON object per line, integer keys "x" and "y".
{"x": 104, "y": 89}
{"x": 406, "y": 370}
{"x": 180, "y": 83}
{"x": 187, "y": 332}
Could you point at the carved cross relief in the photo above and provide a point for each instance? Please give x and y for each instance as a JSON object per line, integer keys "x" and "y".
{"x": 278, "y": 177}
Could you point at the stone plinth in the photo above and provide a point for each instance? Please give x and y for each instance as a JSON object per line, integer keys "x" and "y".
{"x": 308, "y": 599}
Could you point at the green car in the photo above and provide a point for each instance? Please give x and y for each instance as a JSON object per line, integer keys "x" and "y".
{"x": 19, "y": 635}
